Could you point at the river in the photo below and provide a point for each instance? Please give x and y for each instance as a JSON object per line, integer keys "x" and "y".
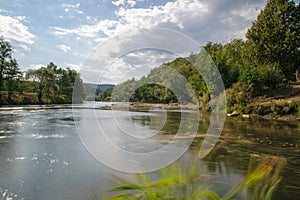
{"x": 43, "y": 157}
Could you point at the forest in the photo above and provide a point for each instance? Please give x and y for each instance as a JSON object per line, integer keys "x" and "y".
{"x": 46, "y": 85}
{"x": 268, "y": 60}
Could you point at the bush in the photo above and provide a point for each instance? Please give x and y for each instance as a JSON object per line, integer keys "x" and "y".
{"x": 30, "y": 98}
{"x": 15, "y": 98}
{"x": 284, "y": 108}
{"x": 238, "y": 99}
{"x": 260, "y": 78}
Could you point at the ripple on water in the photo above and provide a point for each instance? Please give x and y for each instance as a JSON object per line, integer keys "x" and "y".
{"x": 5, "y": 194}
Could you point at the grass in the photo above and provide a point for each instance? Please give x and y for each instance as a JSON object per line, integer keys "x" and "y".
{"x": 175, "y": 182}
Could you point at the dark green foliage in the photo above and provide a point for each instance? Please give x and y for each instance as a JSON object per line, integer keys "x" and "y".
{"x": 5, "y": 58}
{"x": 261, "y": 78}
{"x": 168, "y": 83}
{"x": 42, "y": 86}
{"x": 103, "y": 95}
{"x": 54, "y": 85}
{"x": 274, "y": 37}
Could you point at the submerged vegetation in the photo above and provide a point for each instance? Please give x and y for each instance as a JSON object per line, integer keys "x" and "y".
{"x": 176, "y": 182}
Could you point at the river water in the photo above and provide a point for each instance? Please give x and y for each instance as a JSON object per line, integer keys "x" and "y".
{"x": 43, "y": 157}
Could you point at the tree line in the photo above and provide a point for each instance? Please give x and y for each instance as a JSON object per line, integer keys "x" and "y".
{"x": 267, "y": 59}
{"x": 46, "y": 85}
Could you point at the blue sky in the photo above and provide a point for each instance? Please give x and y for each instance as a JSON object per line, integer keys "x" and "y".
{"x": 66, "y": 32}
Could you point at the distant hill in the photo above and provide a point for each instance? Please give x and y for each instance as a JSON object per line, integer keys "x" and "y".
{"x": 90, "y": 88}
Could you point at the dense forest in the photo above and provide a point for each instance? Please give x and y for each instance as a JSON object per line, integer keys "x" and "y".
{"x": 46, "y": 85}
{"x": 268, "y": 59}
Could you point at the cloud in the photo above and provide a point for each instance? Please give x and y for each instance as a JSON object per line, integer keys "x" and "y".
{"x": 71, "y": 5}
{"x": 64, "y": 48}
{"x": 3, "y": 11}
{"x": 12, "y": 28}
{"x": 72, "y": 8}
{"x": 25, "y": 47}
{"x": 203, "y": 21}
{"x": 37, "y": 66}
{"x": 207, "y": 20}
{"x": 88, "y": 31}
{"x": 130, "y": 3}
{"x": 118, "y": 2}
{"x": 73, "y": 66}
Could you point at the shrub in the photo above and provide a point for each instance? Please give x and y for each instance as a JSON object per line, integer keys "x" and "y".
{"x": 284, "y": 108}
{"x": 260, "y": 78}
{"x": 238, "y": 99}
{"x": 30, "y": 98}
{"x": 15, "y": 98}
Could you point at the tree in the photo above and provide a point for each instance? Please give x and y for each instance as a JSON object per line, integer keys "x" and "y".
{"x": 44, "y": 79}
{"x": 5, "y": 57}
{"x": 275, "y": 37}
{"x": 13, "y": 76}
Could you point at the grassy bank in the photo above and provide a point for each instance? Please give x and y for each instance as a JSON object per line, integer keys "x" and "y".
{"x": 282, "y": 103}
{"x": 31, "y": 98}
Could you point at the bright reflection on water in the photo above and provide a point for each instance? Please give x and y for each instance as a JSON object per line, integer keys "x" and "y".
{"x": 41, "y": 156}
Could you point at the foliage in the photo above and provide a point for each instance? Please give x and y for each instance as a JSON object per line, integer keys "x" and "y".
{"x": 274, "y": 37}
{"x": 10, "y": 73}
{"x": 175, "y": 182}
{"x": 44, "y": 86}
{"x": 165, "y": 84}
{"x": 53, "y": 84}
{"x": 103, "y": 95}
{"x": 238, "y": 99}
{"x": 261, "y": 78}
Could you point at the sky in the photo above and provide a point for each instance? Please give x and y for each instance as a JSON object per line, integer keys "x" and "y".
{"x": 69, "y": 32}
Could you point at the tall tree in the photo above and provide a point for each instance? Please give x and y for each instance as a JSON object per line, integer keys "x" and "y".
{"x": 275, "y": 36}
{"x": 5, "y": 57}
{"x": 13, "y": 76}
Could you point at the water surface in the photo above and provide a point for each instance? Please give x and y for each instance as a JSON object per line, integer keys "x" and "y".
{"x": 42, "y": 157}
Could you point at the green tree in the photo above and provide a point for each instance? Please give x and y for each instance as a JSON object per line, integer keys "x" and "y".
{"x": 5, "y": 57}
{"x": 275, "y": 37}
{"x": 12, "y": 77}
{"x": 44, "y": 80}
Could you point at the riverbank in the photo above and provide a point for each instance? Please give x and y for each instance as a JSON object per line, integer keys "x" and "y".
{"x": 278, "y": 104}
{"x": 150, "y": 106}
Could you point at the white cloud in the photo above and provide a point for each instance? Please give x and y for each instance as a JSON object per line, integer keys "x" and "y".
{"x": 171, "y": 15}
{"x": 130, "y": 3}
{"x": 71, "y": 5}
{"x": 12, "y": 28}
{"x": 25, "y": 47}
{"x": 3, "y": 11}
{"x": 203, "y": 21}
{"x": 37, "y": 66}
{"x": 90, "y": 31}
{"x": 72, "y": 8}
{"x": 118, "y": 2}
{"x": 76, "y": 67}
{"x": 249, "y": 13}
{"x": 64, "y": 48}
{"x": 22, "y": 18}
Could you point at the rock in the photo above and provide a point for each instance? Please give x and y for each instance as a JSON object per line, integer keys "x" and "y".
{"x": 246, "y": 116}
{"x": 233, "y": 114}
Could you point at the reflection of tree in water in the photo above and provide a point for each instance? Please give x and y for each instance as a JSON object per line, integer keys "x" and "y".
{"x": 242, "y": 137}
